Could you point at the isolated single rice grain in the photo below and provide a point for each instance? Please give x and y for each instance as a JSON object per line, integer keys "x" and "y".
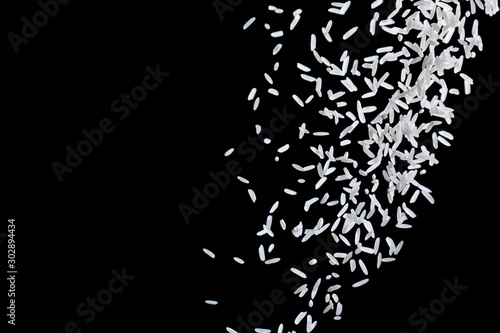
{"x": 299, "y": 273}
{"x": 262, "y": 330}
{"x": 209, "y": 253}
{"x": 252, "y": 195}
{"x": 239, "y": 260}
{"x": 249, "y": 23}
{"x": 272, "y": 261}
{"x": 360, "y": 283}
{"x": 299, "y": 317}
{"x": 243, "y": 180}
{"x": 349, "y": 33}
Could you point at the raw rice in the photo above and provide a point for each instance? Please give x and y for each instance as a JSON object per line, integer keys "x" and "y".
{"x": 209, "y": 253}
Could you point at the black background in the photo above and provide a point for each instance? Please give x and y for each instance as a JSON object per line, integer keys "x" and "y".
{"x": 119, "y": 207}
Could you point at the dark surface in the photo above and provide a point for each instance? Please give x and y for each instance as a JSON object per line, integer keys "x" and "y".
{"x": 119, "y": 207}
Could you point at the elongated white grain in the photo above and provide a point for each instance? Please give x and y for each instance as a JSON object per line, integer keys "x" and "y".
{"x": 299, "y": 273}
{"x": 268, "y": 78}
{"x": 252, "y": 195}
{"x": 363, "y": 266}
{"x": 352, "y": 265}
{"x": 313, "y": 42}
{"x": 256, "y": 103}
{"x": 211, "y": 302}
{"x": 338, "y": 311}
{"x": 262, "y": 330}
{"x": 333, "y": 288}
{"x": 270, "y": 248}
{"x": 315, "y": 288}
{"x": 303, "y": 68}
{"x": 298, "y": 100}
{"x": 273, "y": 91}
{"x": 360, "y": 283}
{"x": 249, "y": 23}
{"x": 262, "y": 254}
{"x": 274, "y": 207}
{"x": 272, "y": 261}
{"x": 376, "y": 3}
{"x": 349, "y": 33}
{"x": 277, "y": 34}
{"x": 373, "y": 23}
{"x": 243, "y": 180}
{"x": 299, "y": 317}
{"x": 209, "y": 253}
{"x": 295, "y": 20}
{"x": 277, "y": 48}
{"x": 385, "y": 49}
{"x": 252, "y": 93}
{"x": 229, "y": 152}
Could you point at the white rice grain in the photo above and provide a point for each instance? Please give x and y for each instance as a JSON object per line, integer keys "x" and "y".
{"x": 295, "y": 20}
{"x": 256, "y": 103}
{"x": 360, "y": 283}
{"x": 272, "y": 261}
{"x": 349, "y": 33}
{"x": 252, "y": 195}
{"x": 273, "y": 91}
{"x": 298, "y": 100}
{"x": 303, "y": 67}
{"x": 277, "y": 34}
{"x": 239, "y": 260}
{"x": 209, "y": 253}
{"x": 252, "y": 93}
{"x": 299, "y": 273}
{"x": 313, "y": 42}
{"x": 299, "y": 317}
{"x": 315, "y": 288}
{"x": 248, "y": 23}
{"x": 262, "y": 254}
{"x": 277, "y": 48}
{"x": 268, "y": 78}
{"x": 243, "y": 180}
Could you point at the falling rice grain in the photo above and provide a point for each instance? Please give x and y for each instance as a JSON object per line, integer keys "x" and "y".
{"x": 209, "y": 253}
{"x": 252, "y": 195}
{"x": 349, "y": 33}
{"x": 360, "y": 283}
{"x": 248, "y": 23}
